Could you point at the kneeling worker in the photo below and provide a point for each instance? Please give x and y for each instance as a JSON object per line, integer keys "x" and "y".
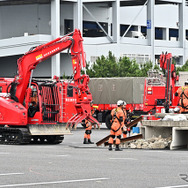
{"x": 118, "y": 119}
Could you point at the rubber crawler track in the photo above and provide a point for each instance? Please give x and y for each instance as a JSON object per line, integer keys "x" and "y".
{"x": 20, "y": 136}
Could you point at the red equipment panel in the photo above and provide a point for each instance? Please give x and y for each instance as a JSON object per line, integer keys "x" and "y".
{"x": 68, "y": 103}
{"x": 12, "y": 111}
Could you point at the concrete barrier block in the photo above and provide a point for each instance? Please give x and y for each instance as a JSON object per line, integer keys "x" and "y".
{"x": 179, "y": 138}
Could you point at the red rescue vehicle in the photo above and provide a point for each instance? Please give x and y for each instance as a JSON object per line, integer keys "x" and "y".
{"x": 38, "y": 110}
{"x": 158, "y": 95}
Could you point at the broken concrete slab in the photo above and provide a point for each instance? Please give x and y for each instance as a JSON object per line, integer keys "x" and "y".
{"x": 178, "y": 130}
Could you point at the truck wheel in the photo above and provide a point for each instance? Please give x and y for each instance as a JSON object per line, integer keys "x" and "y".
{"x": 108, "y": 122}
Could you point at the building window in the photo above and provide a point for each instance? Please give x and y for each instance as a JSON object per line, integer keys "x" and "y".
{"x": 133, "y": 32}
{"x": 140, "y": 58}
{"x": 124, "y": 28}
{"x": 158, "y": 33}
{"x": 68, "y": 26}
{"x": 173, "y": 34}
{"x": 186, "y": 33}
{"x": 92, "y": 29}
{"x": 93, "y": 58}
{"x": 144, "y": 30}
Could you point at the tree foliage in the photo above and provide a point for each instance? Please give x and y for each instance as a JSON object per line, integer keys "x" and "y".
{"x": 183, "y": 68}
{"x": 124, "y": 67}
{"x": 103, "y": 67}
{"x": 127, "y": 68}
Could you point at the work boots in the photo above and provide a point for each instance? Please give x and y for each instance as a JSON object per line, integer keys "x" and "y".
{"x": 90, "y": 142}
{"x": 110, "y": 147}
{"x": 117, "y": 148}
{"x": 85, "y": 141}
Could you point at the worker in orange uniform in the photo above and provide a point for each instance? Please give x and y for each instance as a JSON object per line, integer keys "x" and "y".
{"x": 182, "y": 93}
{"x": 88, "y": 127}
{"x": 118, "y": 119}
{"x": 87, "y": 135}
{"x": 124, "y": 128}
{"x": 34, "y": 106}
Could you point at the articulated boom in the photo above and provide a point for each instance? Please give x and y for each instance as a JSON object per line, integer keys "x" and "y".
{"x": 30, "y": 60}
{"x": 159, "y": 90}
{"x": 171, "y": 78}
{"x": 83, "y": 94}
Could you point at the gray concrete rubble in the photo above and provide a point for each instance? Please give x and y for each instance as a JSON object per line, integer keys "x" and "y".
{"x": 151, "y": 143}
{"x": 164, "y": 116}
{"x": 174, "y": 126}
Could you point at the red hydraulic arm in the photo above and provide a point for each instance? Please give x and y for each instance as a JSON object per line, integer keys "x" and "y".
{"x": 31, "y": 59}
{"x": 171, "y": 78}
{"x": 84, "y": 96}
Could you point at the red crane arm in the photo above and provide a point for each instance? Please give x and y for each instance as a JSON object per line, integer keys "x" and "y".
{"x": 166, "y": 64}
{"x": 32, "y": 58}
{"x": 164, "y": 58}
{"x": 170, "y": 72}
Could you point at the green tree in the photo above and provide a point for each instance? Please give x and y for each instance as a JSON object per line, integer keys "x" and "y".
{"x": 145, "y": 68}
{"x": 128, "y": 68}
{"x": 124, "y": 67}
{"x": 183, "y": 68}
{"x": 103, "y": 67}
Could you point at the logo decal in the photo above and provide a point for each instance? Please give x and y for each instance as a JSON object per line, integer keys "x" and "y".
{"x": 39, "y": 57}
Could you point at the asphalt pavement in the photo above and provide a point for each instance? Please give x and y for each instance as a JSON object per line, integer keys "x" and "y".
{"x": 73, "y": 164}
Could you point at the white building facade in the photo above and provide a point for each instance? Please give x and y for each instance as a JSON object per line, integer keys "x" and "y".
{"x": 140, "y": 29}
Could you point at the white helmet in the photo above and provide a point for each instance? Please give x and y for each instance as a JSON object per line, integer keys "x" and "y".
{"x": 124, "y": 103}
{"x": 186, "y": 82}
{"x": 120, "y": 103}
{"x": 176, "y": 110}
{"x": 33, "y": 88}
